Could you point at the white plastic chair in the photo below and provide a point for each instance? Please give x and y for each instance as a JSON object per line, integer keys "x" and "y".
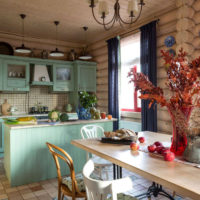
{"x": 99, "y": 190}
{"x": 94, "y": 131}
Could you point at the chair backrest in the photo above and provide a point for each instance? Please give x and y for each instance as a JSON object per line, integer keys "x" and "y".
{"x": 91, "y": 131}
{"x": 98, "y": 189}
{"x": 57, "y": 153}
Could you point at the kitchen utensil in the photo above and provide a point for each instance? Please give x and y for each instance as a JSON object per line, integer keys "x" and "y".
{"x": 103, "y": 115}
{"x": 69, "y": 107}
{"x": 5, "y": 108}
{"x": 6, "y": 49}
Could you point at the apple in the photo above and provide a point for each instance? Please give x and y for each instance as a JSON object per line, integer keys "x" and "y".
{"x": 166, "y": 150}
{"x": 160, "y": 149}
{"x": 134, "y": 146}
{"x": 152, "y": 148}
{"x": 141, "y": 139}
{"x": 170, "y": 156}
{"x": 157, "y": 143}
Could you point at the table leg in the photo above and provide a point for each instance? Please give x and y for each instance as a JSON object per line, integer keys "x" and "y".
{"x": 114, "y": 172}
{"x": 155, "y": 190}
{"x": 117, "y": 172}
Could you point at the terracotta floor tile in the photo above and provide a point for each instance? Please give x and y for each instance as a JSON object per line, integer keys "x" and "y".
{"x": 37, "y": 188}
{"x": 33, "y": 185}
{"x": 48, "y": 185}
{"x": 45, "y": 197}
{"x": 13, "y": 194}
{"x": 50, "y": 190}
{"x": 16, "y": 198}
{"x": 40, "y": 192}
{"x": 25, "y": 191}
{"x": 22, "y": 187}
{"x": 28, "y": 195}
{"x": 53, "y": 194}
{"x": 3, "y": 196}
{"x": 8, "y": 190}
{"x": 2, "y": 191}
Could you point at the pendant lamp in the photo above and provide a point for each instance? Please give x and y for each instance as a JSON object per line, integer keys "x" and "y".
{"x": 22, "y": 48}
{"x": 56, "y": 52}
{"x": 85, "y": 55}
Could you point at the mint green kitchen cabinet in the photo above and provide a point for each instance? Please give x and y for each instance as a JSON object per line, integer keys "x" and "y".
{"x": 16, "y": 76}
{"x": 63, "y": 77}
{"x": 1, "y": 138}
{"x": 1, "y": 75}
{"x": 85, "y": 76}
{"x": 27, "y": 158}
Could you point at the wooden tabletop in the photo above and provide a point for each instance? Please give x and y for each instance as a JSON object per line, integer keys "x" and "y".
{"x": 179, "y": 177}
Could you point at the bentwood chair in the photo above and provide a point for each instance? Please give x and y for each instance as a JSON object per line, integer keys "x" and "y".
{"x": 74, "y": 186}
{"x": 94, "y": 131}
{"x": 100, "y": 190}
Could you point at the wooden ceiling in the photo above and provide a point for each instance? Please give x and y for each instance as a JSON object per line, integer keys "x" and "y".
{"x": 72, "y": 14}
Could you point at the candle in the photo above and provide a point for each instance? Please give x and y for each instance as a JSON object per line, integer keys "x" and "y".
{"x": 103, "y": 8}
{"x": 132, "y": 6}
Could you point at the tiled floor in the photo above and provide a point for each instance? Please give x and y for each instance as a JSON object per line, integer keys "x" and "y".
{"x": 47, "y": 190}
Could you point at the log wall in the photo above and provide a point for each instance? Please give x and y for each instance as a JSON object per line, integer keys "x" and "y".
{"x": 183, "y": 22}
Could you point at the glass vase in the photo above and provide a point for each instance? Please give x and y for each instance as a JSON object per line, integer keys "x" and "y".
{"x": 179, "y": 138}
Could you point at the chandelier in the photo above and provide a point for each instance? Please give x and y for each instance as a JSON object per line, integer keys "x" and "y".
{"x": 134, "y": 10}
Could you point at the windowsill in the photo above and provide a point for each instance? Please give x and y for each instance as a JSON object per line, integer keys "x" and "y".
{"x": 134, "y": 115}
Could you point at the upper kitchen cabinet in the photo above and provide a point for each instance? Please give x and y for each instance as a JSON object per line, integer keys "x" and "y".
{"x": 16, "y": 76}
{"x": 1, "y": 75}
{"x": 63, "y": 77}
{"x": 85, "y": 76}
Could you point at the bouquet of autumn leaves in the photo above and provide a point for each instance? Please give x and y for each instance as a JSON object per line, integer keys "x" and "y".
{"x": 184, "y": 85}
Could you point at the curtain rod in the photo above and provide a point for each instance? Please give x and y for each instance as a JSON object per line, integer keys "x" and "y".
{"x": 123, "y": 34}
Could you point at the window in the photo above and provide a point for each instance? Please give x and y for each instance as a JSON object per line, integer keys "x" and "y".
{"x": 130, "y": 58}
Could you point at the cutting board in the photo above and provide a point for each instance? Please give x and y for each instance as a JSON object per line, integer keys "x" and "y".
{"x": 5, "y": 108}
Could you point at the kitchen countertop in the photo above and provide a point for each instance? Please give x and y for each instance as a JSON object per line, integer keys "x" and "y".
{"x": 60, "y": 123}
{"x": 21, "y": 115}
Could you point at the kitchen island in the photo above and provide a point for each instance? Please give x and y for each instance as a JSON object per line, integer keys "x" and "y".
{"x": 27, "y": 158}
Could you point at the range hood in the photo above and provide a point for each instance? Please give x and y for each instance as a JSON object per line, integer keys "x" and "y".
{"x": 40, "y": 75}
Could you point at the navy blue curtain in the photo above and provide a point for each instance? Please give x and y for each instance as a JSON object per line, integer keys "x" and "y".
{"x": 113, "y": 65}
{"x": 149, "y": 67}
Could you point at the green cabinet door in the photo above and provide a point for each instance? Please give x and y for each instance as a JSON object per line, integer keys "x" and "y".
{"x": 1, "y": 75}
{"x": 16, "y": 76}
{"x": 63, "y": 77}
{"x": 1, "y": 136}
{"x": 86, "y": 76}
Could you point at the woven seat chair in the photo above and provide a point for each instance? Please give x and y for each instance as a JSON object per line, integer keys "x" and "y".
{"x": 72, "y": 186}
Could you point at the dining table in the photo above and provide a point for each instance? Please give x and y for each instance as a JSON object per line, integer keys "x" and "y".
{"x": 180, "y": 177}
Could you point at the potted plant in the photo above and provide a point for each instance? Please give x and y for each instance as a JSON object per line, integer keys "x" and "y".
{"x": 183, "y": 81}
{"x": 87, "y": 103}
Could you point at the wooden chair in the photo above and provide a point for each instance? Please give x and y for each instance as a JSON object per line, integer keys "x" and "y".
{"x": 63, "y": 188}
{"x": 94, "y": 131}
{"x": 99, "y": 190}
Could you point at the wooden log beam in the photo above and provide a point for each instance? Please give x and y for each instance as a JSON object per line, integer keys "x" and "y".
{"x": 185, "y": 11}
{"x": 180, "y": 3}
{"x": 185, "y": 24}
{"x": 166, "y": 28}
{"x": 184, "y": 37}
{"x": 196, "y": 6}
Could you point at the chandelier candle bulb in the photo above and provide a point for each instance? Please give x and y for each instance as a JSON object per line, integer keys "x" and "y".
{"x": 103, "y": 8}
{"x": 132, "y": 6}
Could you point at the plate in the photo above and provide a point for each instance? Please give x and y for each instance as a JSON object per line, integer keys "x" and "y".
{"x": 6, "y": 49}
{"x": 169, "y": 41}
{"x": 114, "y": 141}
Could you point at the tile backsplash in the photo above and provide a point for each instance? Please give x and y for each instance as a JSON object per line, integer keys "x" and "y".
{"x": 38, "y": 94}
